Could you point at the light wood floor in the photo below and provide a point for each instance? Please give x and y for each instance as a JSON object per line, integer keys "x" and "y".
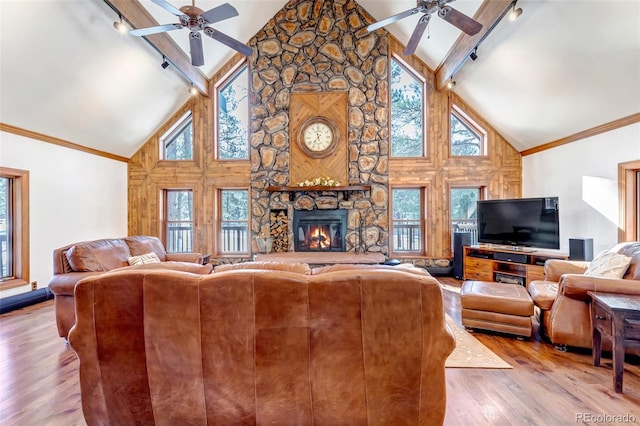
{"x": 39, "y": 385}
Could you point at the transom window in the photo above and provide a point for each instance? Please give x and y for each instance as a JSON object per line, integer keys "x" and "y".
{"x": 467, "y": 137}
{"x": 178, "y": 217}
{"x": 233, "y": 116}
{"x": 407, "y": 112}
{"x": 234, "y": 223}
{"x": 177, "y": 142}
{"x": 407, "y": 220}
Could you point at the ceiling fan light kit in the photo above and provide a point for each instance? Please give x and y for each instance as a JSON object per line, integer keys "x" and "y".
{"x": 427, "y": 8}
{"x": 196, "y": 21}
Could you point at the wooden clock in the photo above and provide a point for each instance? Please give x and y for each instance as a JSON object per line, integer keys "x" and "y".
{"x": 318, "y": 137}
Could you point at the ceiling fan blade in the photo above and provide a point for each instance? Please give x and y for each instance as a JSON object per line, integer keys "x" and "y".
{"x": 168, "y": 7}
{"x": 154, "y": 30}
{"x": 417, "y": 34}
{"x": 197, "y": 54}
{"x": 394, "y": 18}
{"x": 460, "y": 20}
{"x": 229, "y": 41}
{"x": 220, "y": 13}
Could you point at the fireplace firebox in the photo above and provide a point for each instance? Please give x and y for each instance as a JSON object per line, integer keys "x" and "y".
{"x": 320, "y": 230}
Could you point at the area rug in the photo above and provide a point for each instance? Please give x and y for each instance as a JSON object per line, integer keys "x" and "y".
{"x": 469, "y": 352}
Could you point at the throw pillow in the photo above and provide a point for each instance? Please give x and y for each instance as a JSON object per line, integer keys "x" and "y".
{"x": 608, "y": 264}
{"x": 143, "y": 259}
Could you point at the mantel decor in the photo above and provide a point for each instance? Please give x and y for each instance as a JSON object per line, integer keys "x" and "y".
{"x": 304, "y": 189}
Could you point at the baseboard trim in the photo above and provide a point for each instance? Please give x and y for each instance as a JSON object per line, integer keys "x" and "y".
{"x": 22, "y": 300}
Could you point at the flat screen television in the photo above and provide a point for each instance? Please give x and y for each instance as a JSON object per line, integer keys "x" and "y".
{"x": 520, "y": 222}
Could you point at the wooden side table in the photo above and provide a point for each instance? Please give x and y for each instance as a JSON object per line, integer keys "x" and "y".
{"x": 616, "y": 316}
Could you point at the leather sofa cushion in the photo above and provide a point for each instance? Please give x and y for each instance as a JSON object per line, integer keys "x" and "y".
{"x": 543, "y": 293}
{"x": 98, "y": 256}
{"x": 194, "y": 268}
{"x": 142, "y": 244}
{"x": 300, "y": 268}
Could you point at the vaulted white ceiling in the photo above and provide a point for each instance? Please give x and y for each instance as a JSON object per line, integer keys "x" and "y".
{"x": 562, "y": 68}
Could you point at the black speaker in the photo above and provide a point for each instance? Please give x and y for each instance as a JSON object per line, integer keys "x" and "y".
{"x": 581, "y": 249}
{"x": 460, "y": 239}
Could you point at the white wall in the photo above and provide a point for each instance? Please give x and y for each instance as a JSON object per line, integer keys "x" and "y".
{"x": 73, "y": 196}
{"x": 584, "y": 174}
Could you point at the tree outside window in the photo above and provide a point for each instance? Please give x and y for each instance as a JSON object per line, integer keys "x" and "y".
{"x": 234, "y": 226}
{"x": 467, "y": 138}
{"x": 407, "y": 112}
{"x": 179, "y": 220}
{"x": 464, "y": 211}
{"x": 177, "y": 143}
{"x": 407, "y": 219}
{"x": 233, "y": 117}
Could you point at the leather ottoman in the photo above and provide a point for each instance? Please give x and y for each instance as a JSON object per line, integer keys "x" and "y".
{"x": 506, "y": 308}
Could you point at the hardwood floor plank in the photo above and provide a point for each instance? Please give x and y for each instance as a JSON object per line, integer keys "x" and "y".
{"x": 39, "y": 382}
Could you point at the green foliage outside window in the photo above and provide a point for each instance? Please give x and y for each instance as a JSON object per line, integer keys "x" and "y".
{"x": 407, "y": 113}
{"x": 233, "y": 117}
{"x": 464, "y": 139}
{"x": 178, "y": 143}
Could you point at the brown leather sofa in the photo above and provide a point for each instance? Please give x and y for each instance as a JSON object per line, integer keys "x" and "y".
{"x": 352, "y": 346}
{"x": 563, "y": 300}
{"x": 75, "y": 261}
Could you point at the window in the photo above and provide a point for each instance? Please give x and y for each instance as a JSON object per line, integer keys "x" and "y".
{"x": 178, "y": 214}
{"x": 407, "y": 220}
{"x": 233, "y": 116}
{"x": 467, "y": 138}
{"x": 464, "y": 215}
{"x": 234, "y": 226}
{"x": 14, "y": 228}
{"x": 407, "y": 112}
{"x": 177, "y": 143}
{"x": 629, "y": 201}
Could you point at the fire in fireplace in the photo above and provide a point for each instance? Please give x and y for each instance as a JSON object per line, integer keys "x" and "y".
{"x": 320, "y": 230}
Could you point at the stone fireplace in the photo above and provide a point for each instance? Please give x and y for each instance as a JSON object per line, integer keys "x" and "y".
{"x": 320, "y": 230}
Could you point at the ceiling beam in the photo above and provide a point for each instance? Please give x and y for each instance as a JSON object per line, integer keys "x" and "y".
{"x": 137, "y": 16}
{"x": 489, "y": 14}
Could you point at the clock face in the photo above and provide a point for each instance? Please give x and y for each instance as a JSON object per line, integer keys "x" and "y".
{"x": 318, "y": 137}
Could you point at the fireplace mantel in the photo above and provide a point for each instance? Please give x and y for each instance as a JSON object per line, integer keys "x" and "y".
{"x": 292, "y": 190}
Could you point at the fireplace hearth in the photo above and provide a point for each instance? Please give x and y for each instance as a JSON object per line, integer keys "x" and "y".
{"x": 320, "y": 230}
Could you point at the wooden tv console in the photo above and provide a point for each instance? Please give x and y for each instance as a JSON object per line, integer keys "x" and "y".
{"x": 489, "y": 263}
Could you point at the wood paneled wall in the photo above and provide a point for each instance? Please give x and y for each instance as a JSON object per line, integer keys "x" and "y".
{"x": 500, "y": 172}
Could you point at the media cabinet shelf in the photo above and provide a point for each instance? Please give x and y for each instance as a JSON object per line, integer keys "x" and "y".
{"x": 503, "y": 265}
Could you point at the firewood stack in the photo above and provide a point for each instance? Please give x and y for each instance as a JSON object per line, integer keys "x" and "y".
{"x": 279, "y": 230}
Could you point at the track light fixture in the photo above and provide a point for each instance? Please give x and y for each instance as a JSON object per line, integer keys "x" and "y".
{"x": 451, "y": 84}
{"x": 193, "y": 90}
{"x": 165, "y": 64}
{"x": 474, "y": 55}
{"x": 515, "y": 13}
{"x": 120, "y": 26}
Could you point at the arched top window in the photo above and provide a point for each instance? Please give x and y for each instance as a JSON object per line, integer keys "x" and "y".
{"x": 407, "y": 111}
{"x": 232, "y": 115}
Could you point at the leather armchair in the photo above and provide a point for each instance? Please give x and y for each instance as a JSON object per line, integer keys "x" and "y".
{"x": 563, "y": 300}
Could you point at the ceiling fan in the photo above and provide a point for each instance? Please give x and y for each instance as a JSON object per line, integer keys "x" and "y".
{"x": 446, "y": 12}
{"x": 195, "y": 19}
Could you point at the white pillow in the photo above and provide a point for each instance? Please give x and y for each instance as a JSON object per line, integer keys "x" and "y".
{"x": 608, "y": 264}
{"x": 143, "y": 259}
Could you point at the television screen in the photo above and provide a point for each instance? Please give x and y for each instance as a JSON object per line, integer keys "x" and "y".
{"x": 528, "y": 222}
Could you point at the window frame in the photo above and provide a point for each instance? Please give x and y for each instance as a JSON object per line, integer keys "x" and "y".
{"x": 164, "y": 214}
{"x": 481, "y": 196}
{"x": 219, "y": 222}
{"x": 422, "y": 220}
{"x": 425, "y": 108}
{"x": 473, "y": 126}
{"x": 19, "y": 232}
{"x": 629, "y": 201}
{"x": 176, "y": 128}
{"x": 219, "y": 85}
